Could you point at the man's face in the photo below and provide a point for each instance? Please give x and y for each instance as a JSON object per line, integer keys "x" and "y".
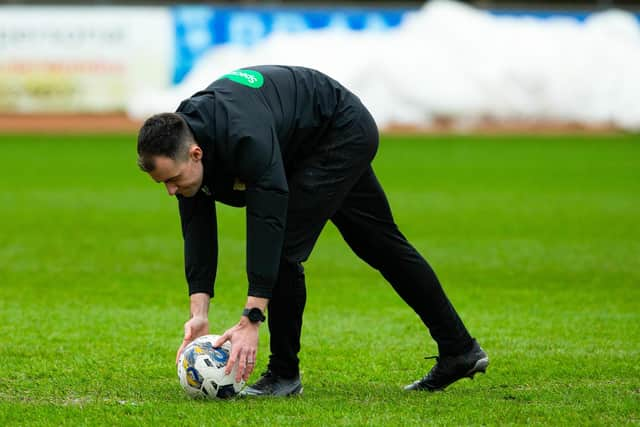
{"x": 182, "y": 177}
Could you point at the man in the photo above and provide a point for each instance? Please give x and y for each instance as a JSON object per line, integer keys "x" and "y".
{"x": 295, "y": 147}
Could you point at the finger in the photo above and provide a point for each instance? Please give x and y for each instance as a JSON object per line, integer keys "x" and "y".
{"x": 181, "y": 349}
{"x": 251, "y": 364}
{"x": 232, "y": 360}
{"x": 242, "y": 365}
{"x": 224, "y": 338}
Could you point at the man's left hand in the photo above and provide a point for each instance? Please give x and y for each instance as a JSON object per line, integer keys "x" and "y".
{"x": 244, "y": 347}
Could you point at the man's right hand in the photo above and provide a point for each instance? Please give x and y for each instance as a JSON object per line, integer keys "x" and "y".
{"x": 198, "y": 324}
{"x": 195, "y": 327}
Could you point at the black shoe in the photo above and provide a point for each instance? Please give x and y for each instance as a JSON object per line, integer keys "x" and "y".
{"x": 449, "y": 369}
{"x": 271, "y": 384}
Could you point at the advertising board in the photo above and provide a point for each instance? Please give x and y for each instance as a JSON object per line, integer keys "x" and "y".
{"x": 69, "y": 59}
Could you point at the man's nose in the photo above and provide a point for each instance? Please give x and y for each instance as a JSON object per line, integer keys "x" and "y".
{"x": 172, "y": 189}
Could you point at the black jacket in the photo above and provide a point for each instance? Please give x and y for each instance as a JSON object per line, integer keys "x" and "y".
{"x": 254, "y": 126}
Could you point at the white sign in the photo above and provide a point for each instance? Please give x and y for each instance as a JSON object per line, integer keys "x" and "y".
{"x": 87, "y": 59}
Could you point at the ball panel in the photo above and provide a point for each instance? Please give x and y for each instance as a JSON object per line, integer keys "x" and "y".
{"x": 226, "y": 391}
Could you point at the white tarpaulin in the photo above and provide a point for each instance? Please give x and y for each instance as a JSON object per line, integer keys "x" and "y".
{"x": 453, "y": 61}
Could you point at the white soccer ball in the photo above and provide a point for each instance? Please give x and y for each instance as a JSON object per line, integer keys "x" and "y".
{"x": 201, "y": 369}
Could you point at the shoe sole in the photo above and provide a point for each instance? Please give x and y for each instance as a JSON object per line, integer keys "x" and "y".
{"x": 295, "y": 392}
{"x": 479, "y": 367}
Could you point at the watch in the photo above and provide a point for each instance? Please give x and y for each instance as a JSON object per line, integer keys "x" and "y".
{"x": 254, "y": 314}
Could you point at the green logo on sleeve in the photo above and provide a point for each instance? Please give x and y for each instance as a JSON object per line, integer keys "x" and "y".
{"x": 246, "y": 77}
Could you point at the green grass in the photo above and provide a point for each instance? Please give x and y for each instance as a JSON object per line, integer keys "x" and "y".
{"x": 536, "y": 240}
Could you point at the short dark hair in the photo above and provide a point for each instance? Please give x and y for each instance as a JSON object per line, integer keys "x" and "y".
{"x": 165, "y": 134}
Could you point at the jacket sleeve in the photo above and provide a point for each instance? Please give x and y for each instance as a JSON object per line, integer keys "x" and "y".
{"x": 258, "y": 163}
{"x": 199, "y": 231}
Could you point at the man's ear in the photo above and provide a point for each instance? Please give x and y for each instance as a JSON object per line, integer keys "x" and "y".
{"x": 195, "y": 152}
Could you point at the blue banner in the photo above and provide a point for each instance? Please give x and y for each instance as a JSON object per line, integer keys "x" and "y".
{"x": 201, "y": 28}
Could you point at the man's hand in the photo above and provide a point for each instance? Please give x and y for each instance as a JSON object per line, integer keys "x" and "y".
{"x": 244, "y": 347}
{"x": 244, "y": 341}
{"x": 198, "y": 324}
{"x": 193, "y": 328}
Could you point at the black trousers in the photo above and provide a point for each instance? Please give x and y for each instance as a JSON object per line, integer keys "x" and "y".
{"x": 338, "y": 184}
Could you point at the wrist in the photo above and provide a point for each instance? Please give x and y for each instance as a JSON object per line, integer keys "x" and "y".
{"x": 199, "y": 305}
{"x": 257, "y": 302}
{"x": 245, "y": 322}
{"x": 202, "y": 316}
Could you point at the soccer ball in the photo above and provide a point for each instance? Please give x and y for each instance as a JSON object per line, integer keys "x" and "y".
{"x": 201, "y": 369}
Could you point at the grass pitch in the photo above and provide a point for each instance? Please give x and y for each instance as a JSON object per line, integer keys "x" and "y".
{"x": 536, "y": 240}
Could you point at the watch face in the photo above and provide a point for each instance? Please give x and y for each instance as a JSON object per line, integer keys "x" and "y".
{"x": 255, "y": 315}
